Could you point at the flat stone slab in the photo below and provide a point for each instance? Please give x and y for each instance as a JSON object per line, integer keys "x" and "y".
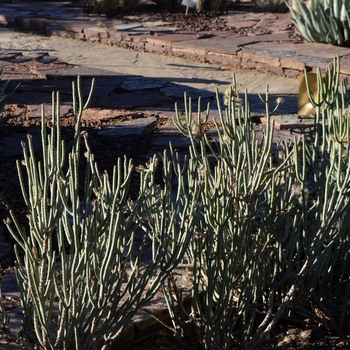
{"x": 242, "y": 24}
{"x": 130, "y": 127}
{"x": 156, "y": 29}
{"x": 36, "y": 5}
{"x": 134, "y": 100}
{"x": 27, "y": 98}
{"x": 5, "y": 55}
{"x": 47, "y": 86}
{"x": 168, "y": 129}
{"x": 178, "y": 91}
{"x": 345, "y": 65}
{"x": 278, "y": 135}
{"x": 104, "y": 85}
{"x": 95, "y": 114}
{"x": 13, "y": 147}
{"x": 39, "y": 69}
{"x": 35, "y": 111}
{"x": 19, "y": 59}
{"x": 165, "y": 111}
{"x": 19, "y": 73}
{"x": 65, "y": 13}
{"x": 278, "y": 37}
{"x": 86, "y": 72}
{"x": 46, "y": 58}
{"x": 232, "y": 44}
{"x": 127, "y": 26}
{"x": 222, "y": 46}
{"x": 290, "y": 121}
{"x": 247, "y": 16}
{"x": 156, "y": 24}
{"x": 308, "y": 49}
{"x": 181, "y": 142}
{"x": 137, "y": 84}
{"x": 7, "y": 17}
{"x": 162, "y": 39}
{"x": 93, "y": 33}
{"x": 289, "y": 103}
{"x": 96, "y": 29}
{"x": 5, "y": 40}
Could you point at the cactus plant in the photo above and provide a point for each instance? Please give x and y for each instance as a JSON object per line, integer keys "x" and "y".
{"x": 82, "y": 276}
{"x": 272, "y": 236}
{"x": 322, "y": 21}
{"x": 261, "y": 229}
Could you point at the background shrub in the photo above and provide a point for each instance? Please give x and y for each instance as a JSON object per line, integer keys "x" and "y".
{"x": 278, "y": 6}
{"x": 322, "y": 21}
{"x": 111, "y": 7}
{"x": 211, "y": 5}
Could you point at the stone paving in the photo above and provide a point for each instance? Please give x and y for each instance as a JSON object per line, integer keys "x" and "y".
{"x": 117, "y": 93}
{"x": 275, "y": 50}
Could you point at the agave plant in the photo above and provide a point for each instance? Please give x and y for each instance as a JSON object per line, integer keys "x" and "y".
{"x": 322, "y": 21}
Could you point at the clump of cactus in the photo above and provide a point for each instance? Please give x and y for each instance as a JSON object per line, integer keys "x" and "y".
{"x": 272, "y": 234}
{"x": 322, "y": 21}
{"x": 80, "y": 269}
{"x": 259, "y": 227}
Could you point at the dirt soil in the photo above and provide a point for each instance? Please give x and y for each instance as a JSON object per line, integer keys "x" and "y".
{"x": 194, "y": 21}
{"x": 296, "y": 334}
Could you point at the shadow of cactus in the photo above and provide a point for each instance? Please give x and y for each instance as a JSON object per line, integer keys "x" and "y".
{"x": 4, "y": 97}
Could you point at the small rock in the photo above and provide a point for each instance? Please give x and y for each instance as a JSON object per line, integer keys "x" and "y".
{"x": 306, "y": 334}
{"x": 293, "y": 331}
